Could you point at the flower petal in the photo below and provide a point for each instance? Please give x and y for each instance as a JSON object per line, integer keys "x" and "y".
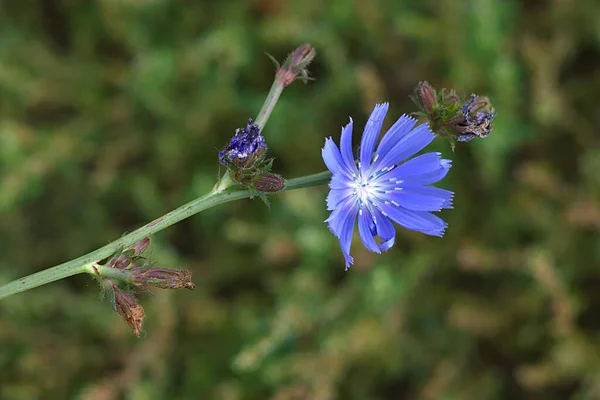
{"x": 337, "y": 196}
{"x": 410, "y": 144}
{"x": 341, "y": 223}
{"x": 424, "y": 169}
{"x": 340, "y": 181}
{"x": 421, "y": 198}
{"x": 401, "y": 128}
{"x": 371, "y": 133}
{"x": 366, "y": 232}
{"x": 383, "y": 228}
{"x": 446, "y": 195}
{"x": 346, "y": 147}
{"x": 332, "y": 157}
{"x": 338, "y": 216}
{"x": 420, "y": 221}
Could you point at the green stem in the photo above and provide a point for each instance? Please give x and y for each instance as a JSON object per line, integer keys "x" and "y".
{"x": 85, "y": 263}
{"x": 121, "y": 275}
{"x": 269, "y": 104}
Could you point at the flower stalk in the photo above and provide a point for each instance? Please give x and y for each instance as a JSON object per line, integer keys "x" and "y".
{"x": 88, "y": 263}
{"x": 293, "y": 67}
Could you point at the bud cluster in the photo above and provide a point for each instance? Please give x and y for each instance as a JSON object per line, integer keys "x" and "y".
{"x": 452, "y": 118}
{"x": 127, "y": 271}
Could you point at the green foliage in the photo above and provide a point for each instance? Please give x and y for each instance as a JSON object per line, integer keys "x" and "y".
{"x": 112, "y": 113}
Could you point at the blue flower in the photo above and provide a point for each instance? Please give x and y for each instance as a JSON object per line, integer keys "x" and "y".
{"x": 383, "y": 187}
{"x": 245, "y": 147}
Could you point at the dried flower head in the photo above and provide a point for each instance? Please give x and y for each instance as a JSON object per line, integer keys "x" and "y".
{"x": 476, "y": 120}
{"x": 127, "y": 307}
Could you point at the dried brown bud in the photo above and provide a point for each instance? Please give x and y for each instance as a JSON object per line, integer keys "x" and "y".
{"x": 295, "y": 65}
{"x": 127, "y": 307}
{"x": 164, "y": 278}
{"x": 269, "y": 182}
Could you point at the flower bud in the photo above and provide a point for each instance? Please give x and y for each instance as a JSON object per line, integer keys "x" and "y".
{"x": 295, "y": 65}
{"x": 426, "y": 96}
{"x": 119, "y": 261}
{"x": 139, "y": 247}
{"x": 163, "y": 278}
{"x": 269, "y": 182}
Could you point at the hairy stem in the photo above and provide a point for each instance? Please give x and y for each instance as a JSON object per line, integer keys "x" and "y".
{"x": 218, "y": 195}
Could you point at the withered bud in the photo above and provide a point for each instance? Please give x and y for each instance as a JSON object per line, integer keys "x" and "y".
{"x": 295, "y": 65}
{"x": 128, "y": 308}
{"x": 269, "y": 182}
{"x": 164, "y": 278}
{"x": 426, "y": 96}
{"x": 139, "y": 247}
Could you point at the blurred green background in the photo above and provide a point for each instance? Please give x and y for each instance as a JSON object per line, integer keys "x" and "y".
{"x": 112, "y": 113}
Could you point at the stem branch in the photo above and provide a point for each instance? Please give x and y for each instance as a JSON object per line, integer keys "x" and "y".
{"x": 85, "y": 263}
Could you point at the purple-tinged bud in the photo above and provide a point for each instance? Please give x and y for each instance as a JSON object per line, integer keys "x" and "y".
{"x": 164, "y": 278}
{"x": 426, "y": 96}
{"x": 139, "y": 247}
{"x": 120, "y": 261}
{"x": 128, "y": 308}
{"x": 269, "y": 182}
{"x": 295, "y": 65}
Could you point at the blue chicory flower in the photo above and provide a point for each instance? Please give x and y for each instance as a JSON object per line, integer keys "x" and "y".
{"x": 383, "y": 186}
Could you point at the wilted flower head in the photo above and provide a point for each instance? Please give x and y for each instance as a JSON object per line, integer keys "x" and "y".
{"x": 384, "y": 187}
{"x": 476, "y": 121}
{"x": 245, "y": 147}
{"x": 127, "y": 307}
{"x": 450, "y": 119}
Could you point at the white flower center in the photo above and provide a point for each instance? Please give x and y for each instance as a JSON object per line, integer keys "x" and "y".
{"x": 364, "y": 189}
